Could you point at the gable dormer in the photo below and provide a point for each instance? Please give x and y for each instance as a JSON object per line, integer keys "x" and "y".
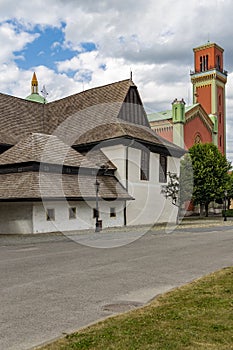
{"x": 132, "y": 109}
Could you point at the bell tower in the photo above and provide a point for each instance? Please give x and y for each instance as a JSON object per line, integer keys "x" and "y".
{"x": 209, "y": 79}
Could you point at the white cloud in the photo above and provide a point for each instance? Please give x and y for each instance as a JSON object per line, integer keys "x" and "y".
{"x": 12, "y": 41}
{"x": 153, "y": 38}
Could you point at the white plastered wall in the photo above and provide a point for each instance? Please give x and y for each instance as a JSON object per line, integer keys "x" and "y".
{"x": 16, "y": 218}
{"x": 84, "y": 219}
{"x": 149, "y": 206}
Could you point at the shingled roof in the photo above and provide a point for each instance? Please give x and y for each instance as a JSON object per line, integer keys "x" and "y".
{"x": 121, "y": 129}
{"x": 47, "y": 149}
{"x": 91, "y": 107}
{"x": 20, "y": 117}
{"x": 37, "y": 186}
{"x": 89, "y": 116}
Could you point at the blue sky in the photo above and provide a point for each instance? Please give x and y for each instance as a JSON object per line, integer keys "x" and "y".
{"x": 48, "y": 48}
{"x": 78, "y": 45}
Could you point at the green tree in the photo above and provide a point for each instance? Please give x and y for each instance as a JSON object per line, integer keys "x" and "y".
{"x": 210, "y": 174}
{"x": 186, "y": 179}
{"x": 229, "y": 189}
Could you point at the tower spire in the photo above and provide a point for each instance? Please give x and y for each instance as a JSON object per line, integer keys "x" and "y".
{"x": 35, "y": 96}
{"x": 34, "y": 84}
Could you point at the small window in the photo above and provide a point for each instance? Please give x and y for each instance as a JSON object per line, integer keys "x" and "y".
{"x": 162, "y": 168}
{"x": 201, "y": 65}
{"x": 145, "y": 165}
{"x": 50, "y": 214}
{"x": 218, "y": 62}
{"x": 207, "y": 62}
{"x": 72, "y": 213}
{"x": 95, "y": 212}
{"x": 112, "y": 212}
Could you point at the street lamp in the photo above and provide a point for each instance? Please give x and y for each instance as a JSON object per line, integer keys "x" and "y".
{"x": 97, "y": 186}
{"x": 225, "y": 205}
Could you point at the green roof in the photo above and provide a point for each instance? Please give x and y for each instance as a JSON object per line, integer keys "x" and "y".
{"x": 36, "y": 98}
{"x": 164, "y": 115}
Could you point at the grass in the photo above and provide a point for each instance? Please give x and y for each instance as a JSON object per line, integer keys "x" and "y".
{"x": 196, "y": 316}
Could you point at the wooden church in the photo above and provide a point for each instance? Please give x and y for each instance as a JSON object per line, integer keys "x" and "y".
{"x": 86, "y": 159}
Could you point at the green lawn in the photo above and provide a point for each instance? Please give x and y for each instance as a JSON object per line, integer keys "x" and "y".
{"x": 196, "y": 316}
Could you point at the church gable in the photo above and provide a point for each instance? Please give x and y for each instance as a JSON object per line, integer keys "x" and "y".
{"x": 132, "y": 109}
{"x": 197, "y": 130}
{"x": 199, "y": 112}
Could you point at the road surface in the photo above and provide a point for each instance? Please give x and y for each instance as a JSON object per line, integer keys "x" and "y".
{"x": 53, "y": 285}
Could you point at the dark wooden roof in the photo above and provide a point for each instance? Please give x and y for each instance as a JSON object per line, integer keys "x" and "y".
{"x": 45, "y": 133}
{"x": 91, "y": 115}
{"x": 49, "y": 149}
{"x": 18, "y": 118}
{"x": 122, "y": 130}
{"x": 43, "y": 148}
{"x": 37, "y": 186}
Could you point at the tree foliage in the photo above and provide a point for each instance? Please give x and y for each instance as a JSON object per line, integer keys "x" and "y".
{"x": 171, "y": 190}
{"x": 229, "y": 188}
{"x": 186, "y": 179}
{"x": 210, "y": 173}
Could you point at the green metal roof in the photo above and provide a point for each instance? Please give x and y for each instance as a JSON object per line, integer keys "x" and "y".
{"x": 36, "y": 98}
{"x": 164, "y": 115}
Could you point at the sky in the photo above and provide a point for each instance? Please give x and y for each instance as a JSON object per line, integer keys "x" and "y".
{"x": 74, "y": 45}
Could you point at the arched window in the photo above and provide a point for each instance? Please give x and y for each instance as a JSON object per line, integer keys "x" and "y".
{"x": 197, "y": 138}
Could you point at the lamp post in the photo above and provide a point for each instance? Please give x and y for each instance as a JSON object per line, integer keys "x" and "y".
{"x": 97, "y": 186}
{"x": 225, "y": 205}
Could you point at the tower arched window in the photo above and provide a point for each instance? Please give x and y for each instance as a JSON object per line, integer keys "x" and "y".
{"x": 201, "y": 64}
{"x": 197, "y": 138}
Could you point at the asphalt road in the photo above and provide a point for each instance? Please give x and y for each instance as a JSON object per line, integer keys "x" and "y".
{"x": 53, "y": 285}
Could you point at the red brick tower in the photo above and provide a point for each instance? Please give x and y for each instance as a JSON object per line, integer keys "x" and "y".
{"x": 209, "y": 80}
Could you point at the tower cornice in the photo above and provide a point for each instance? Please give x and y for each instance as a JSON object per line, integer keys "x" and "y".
{"x": 209, "y": 75}
{"x": 207, "y": 46}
